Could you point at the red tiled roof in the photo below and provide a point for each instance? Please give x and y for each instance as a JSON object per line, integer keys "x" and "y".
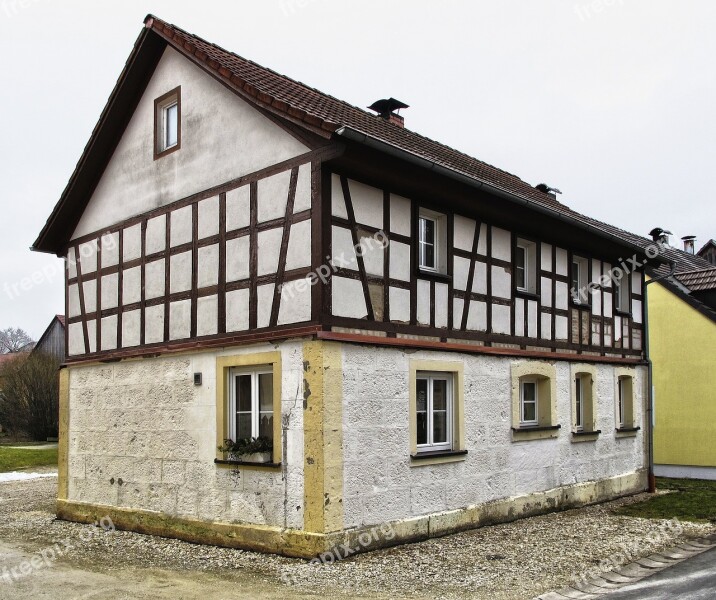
{"x": 61, "y": 319}
{"x": 702, "y": 279}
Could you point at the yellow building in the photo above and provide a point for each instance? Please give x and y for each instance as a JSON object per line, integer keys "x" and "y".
{"x": 682, "y": 347}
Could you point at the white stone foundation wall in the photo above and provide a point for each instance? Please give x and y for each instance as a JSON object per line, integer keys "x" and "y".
{"x": 143, "y": 436}
{"x": 382, "y": 484}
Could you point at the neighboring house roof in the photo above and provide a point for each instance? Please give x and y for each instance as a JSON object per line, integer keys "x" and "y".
{"x": 303, "y": 105}
{"x": 6, "y": 359}
{"x": 706, "y": 246}
{"x": 698, "y": 280}
{"x": 60, "y": 319}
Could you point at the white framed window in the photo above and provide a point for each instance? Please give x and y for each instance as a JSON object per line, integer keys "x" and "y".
{"x": 529, "y": 399}
{"x": 167, "y": 123}
{"x": 251, "y": 401}
{"x": 621, "y": 294}
{"x": 434, "y": 411}
{"x": 579, "y": 403}
{"x": 623, "y": 402}
{"x": 579, "y": 280}
{"x": 432, "y": 241}
{"x": 526, "y": 266}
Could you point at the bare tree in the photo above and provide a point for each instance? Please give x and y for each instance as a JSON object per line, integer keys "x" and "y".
{"x": 29, "y": 396}
{"x": 13, "y": 339}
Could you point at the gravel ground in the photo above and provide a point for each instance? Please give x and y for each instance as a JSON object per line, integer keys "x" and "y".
{"x": 512, "y": 561}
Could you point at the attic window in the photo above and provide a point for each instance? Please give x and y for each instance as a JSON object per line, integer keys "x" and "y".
{"x": 167, "y": 123}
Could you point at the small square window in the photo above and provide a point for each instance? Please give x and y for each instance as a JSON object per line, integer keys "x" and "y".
{"x": 526, "y": 266}
{"x": 432, "y": 241}
{"x": 167, "y": 123}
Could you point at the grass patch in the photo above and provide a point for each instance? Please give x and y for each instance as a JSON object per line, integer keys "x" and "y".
{"x": 13, "y": 459}
{"x": 689, "y": 500}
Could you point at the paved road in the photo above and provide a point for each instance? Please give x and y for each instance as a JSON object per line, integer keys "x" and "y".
{"x": 692, "y": 579}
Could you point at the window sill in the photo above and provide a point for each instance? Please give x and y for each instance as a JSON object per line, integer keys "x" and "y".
{"x": 627, "y": 429}
{"x": 436, "y": 275}
{"x": 585, "y": 436}
{"x": 526, "y": 294}
{"x": 586, "y": 433}
{"x": 622, "y": 313}
{"x": 536, "y": 428}
{"x": 244, "y": 463}
{"x": 439, "y": 457}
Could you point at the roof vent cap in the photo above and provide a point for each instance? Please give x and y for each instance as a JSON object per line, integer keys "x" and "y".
{"x": 689, "y": 243}
{"x": 386, "y": 109}
{"x": 660, "y": 235}
{"x": 552, "y": 191}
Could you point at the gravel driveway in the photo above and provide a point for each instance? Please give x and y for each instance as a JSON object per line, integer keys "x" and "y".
{"x": 513, "y": 561}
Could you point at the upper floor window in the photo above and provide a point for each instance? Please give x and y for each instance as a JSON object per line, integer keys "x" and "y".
{"x": 579, "y": 280}
{"x": 434, "y": 411}
{"x": 432, "y": 241}
{"x": 526, "y": 266}
{"x": 167, "y": 123}
{"x": 621, "y": 294}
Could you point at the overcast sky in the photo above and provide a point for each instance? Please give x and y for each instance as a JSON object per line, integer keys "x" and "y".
{"x": 612, "y": 101}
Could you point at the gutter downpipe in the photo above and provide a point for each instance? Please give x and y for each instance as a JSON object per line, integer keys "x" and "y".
{"x": 650, "y": 381}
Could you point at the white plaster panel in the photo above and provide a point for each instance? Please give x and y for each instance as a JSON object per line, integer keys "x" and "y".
{"x": 74, "y": 307}
{"x": 519, "y": 317}
{"x": 272, "y": 196}
{"x": 501, "y": 319}
{"x": 338, "y": 204}
{"x": 501, "y": 282}
{"x": 460, "y": 272}
{"x": 131, "y": 285}
{"x": 636, "y": 308}
{"x": 400, "y": 217}
{"x": 546, "y": 257}
{"x": 482, "y": 241}
{"x": 302, "y": 200}
{"x": 110, "y": 291}
{"x": 458, "y": 305}
{"x": 88, "y": 257}
{"x": 608, "y": 304}
{"x": 207, "y": 315}
{"x": 76, "y": 340}
{"x": 180, "y": 274}
{"x": 501, "y": 244}
{"x": 132, "y": 242}
{"x": 179, "y": 319}
{"x": 441, "y": 305}
{"x": 636, "y": 282}
{"x": 238, "y": 204}
{"x": 295, "y": 304}
{"x": 237, "y": 310}
{"x": 546, "y": 326}
{"x": 90, "y": 294}
{"x": 237, "y": 259}
{"x": 373, "y": 255}
{"x": 596, "y": 302}
{"x": 71, "y": 264}
{"x": 561, "y": 291}
{"x": 154, "y": 324}
{"x": 264, "y": 299}
{"x": 399, "y": 304}
{"x": 181, "y": 226}
{"x": 109, "y": 333}
{"x": 423, "y": 297}
{"x": 546, "y": 291}
{"x": 562, "y": 263}
{"x": 399, "y": 261}
{"x": 477, "y": 317}
{"x": 342, "y": 248}
{"x": 479, "y": 278}
{"x": 156, "y": 234}
{"x": 154, "y": 279}
{"x": 92, "y": 335}
{"x": 464, "y": 233}
{"x": 208, "y": 210}
{"x": 269, "y": 248}
{"x": 348, "y": 298}
{"x": 532, "y": 318}
{"x": 561, "y": 327}
{"x": 110, "y": 249}
{"x": 367, "y": 204}
{"x": 299, "y": 246}
{"x": 212, "y": 117}
{"x": 208, "y": 266}
{"x": 130, "y": 328}
{"x": 596, "y": 270}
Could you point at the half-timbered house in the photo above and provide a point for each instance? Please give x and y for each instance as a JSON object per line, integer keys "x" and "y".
{"x": 427, "y": 342}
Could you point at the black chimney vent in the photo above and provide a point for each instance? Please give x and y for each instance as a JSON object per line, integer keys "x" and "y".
{"x": 386, "y": 110}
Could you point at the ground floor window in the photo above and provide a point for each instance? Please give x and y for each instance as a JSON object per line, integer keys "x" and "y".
{"x": 529, "y": 399}
{"x": 434, "y": 410}
{"x": 250, "y": 403}
{"x": 625, "y": 407}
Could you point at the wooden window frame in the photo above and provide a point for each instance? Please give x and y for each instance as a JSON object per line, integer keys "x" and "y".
{"x": 440, "y": 248}
{"x": 160, "y": 105}
{"x": 544, "y": 375}
{"x": 582, "y": 271}
{"x": 532, "y": 422}
{"x": 430, "y": 445}
{"x": 254, "y": 373}
{"x": 530, "y": 266}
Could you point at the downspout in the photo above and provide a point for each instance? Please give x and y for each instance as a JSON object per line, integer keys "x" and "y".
{"x": 650, "y": 382}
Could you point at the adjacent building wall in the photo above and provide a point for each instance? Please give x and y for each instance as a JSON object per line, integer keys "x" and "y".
{"x": 682, "y": 347}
